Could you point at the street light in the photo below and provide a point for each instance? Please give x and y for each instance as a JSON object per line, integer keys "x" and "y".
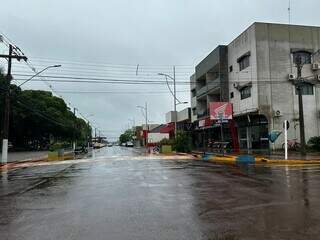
{"x": 53, "y": 66}
{"x": 174, "y": 94}
{"x": 132, "y": 121}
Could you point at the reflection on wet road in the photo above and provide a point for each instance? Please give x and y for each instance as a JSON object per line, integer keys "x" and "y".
{"x": 142, "y": 198}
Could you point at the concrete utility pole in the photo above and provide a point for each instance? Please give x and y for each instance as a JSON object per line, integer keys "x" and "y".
{"x": 145, "y": 108}
{"x": 175, "y": 102}
{"x": 74, "y": 131}
{"x": 299, "y": 85}
{"x": 174, "y": 93}
{"x": 6, "y": 119}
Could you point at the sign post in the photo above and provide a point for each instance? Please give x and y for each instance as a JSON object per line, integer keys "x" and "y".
{"x": 221, "y": 112}
{"x": 286, "y": 127}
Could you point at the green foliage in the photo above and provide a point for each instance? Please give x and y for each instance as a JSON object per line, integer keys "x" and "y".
{"x": 182, "y": 143}
{"x": 127, "y": 136}
{"x": 314, "y": 143}
{"x": 57, "y": 146}
{"x": 38, "y": 118}
{"x": 167, "y": 141}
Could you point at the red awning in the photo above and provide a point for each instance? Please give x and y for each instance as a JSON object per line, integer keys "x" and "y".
{"x": 167, "y": 128}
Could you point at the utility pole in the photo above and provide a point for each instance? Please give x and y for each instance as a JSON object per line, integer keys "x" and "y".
{"x": 175, "y": 102}
{"x": 6, "y": 118}
{"x": 74, "y": 130}
{"x": 299, "y": 85}
{"x": 147, "y": 126}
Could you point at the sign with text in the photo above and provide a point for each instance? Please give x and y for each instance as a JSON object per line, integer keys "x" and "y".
{"x": 220, "y": 110}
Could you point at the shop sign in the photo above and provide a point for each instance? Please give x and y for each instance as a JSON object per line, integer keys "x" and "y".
{"x": 220, "y": 111}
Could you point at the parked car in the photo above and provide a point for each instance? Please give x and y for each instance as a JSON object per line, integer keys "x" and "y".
{"x": 129, "y": 144}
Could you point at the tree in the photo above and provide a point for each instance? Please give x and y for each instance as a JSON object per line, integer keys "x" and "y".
{"x": 127, "y": 136}
{"x": 182, "y": 142}
{"x": 38, "y": 118}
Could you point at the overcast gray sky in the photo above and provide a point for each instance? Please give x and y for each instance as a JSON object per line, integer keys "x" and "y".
{"x": 108, "y": 38}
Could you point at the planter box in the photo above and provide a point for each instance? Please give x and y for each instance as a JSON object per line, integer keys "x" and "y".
{"x": 56, "y": 155}
{"x": 166, "y": 149}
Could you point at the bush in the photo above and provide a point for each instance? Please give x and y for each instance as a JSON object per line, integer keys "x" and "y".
{"x": 167, "y": 141}
{"x": 314, "y": 143}
{"x": 183, "y": 143}
{"x": 57, "y": 146}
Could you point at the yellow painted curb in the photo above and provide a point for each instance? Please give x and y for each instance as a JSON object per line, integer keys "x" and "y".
{"x": 262, "y": 160}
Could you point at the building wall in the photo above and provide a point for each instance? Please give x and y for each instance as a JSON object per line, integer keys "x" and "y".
{"x": 212, "y": 80}
{"x": 193, "y": 98}
{"x": 183, "y": 115}
{"x": 275, "y": 43}
{"x": 171, "y": 116}
{"x": 241, "y": 45}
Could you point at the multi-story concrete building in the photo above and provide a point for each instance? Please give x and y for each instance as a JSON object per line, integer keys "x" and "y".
{"x": 182, "y": 117}
{"x": 260, "y": 66}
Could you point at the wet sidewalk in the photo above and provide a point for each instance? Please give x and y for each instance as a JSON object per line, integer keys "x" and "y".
{"x": 26, "y": 156}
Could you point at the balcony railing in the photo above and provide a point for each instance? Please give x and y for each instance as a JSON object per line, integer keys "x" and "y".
{"x": 214, "y": 84}
{"x": 202, "y": 91}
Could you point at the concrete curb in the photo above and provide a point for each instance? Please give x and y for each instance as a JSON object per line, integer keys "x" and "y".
{"x": 255, "y": 160}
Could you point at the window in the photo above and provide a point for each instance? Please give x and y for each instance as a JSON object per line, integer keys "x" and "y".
{"x": 245, "y": 92}
{"x": 231, "y": 95}
{"x": 193, "y": 93}
{"x": 305, "y": 57}
{"x": 244, "y": 62}
{"x": 307, "y": 89}
{"x": 231, "y": 68}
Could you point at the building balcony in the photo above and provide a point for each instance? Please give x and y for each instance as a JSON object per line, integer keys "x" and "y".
{"x": 214, "y": 85}
{"x": 202, "y": 91}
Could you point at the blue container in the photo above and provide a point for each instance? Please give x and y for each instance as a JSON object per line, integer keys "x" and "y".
{"x": 246, "y": 159}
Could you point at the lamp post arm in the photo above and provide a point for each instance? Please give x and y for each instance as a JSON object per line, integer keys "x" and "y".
{"x": 54, "y": 66}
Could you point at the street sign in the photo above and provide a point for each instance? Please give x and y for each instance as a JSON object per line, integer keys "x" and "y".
{"x": 273, "y": 136}
{"x": 220, "y": 110}
{"x": 286, "y": 125}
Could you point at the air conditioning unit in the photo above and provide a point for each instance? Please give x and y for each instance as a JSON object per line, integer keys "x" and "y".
{"x": 277, "y": 113}
{"x": 318, "y": 77}
{"x": 291, "y": 77}
{"x": 315, "y": 66}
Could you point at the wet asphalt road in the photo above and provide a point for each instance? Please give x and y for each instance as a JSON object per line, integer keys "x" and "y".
{"x": 144, "y": 198}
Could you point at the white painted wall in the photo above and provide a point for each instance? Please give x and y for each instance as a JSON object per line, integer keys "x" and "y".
{"x": 237, "y": 48}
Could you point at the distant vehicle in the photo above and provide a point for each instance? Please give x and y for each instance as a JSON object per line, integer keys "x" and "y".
{"x": 129, "y": 144}
{"x": 110, "y": 145}
{"x": 10, "y": 145}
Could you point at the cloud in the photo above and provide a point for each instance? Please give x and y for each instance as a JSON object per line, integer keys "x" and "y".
{"x": 150, "y": 32}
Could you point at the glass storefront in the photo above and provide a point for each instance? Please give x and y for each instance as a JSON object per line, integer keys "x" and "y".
{"x": 253, "y": 131}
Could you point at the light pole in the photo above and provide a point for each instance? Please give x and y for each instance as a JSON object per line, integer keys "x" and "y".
{"x": 38, "y": 73}
{"x": 145, "y": 108}
{"x": 132, "y": 121}
{"x": 174, "y": 94}
{"x": 4, "y": 158}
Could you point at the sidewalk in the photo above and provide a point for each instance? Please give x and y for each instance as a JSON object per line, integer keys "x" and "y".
{"x": 26, "y": 156}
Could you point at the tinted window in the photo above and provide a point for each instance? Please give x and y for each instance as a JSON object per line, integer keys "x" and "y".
{"x": 307, "y": 89}
{"x": 305, "y": 57}
{"x": 245, "y": 92}
{"x": 244, "y": 63}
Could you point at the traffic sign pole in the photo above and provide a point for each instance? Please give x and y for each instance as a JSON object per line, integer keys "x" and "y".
{"x": 285, "y": 139}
